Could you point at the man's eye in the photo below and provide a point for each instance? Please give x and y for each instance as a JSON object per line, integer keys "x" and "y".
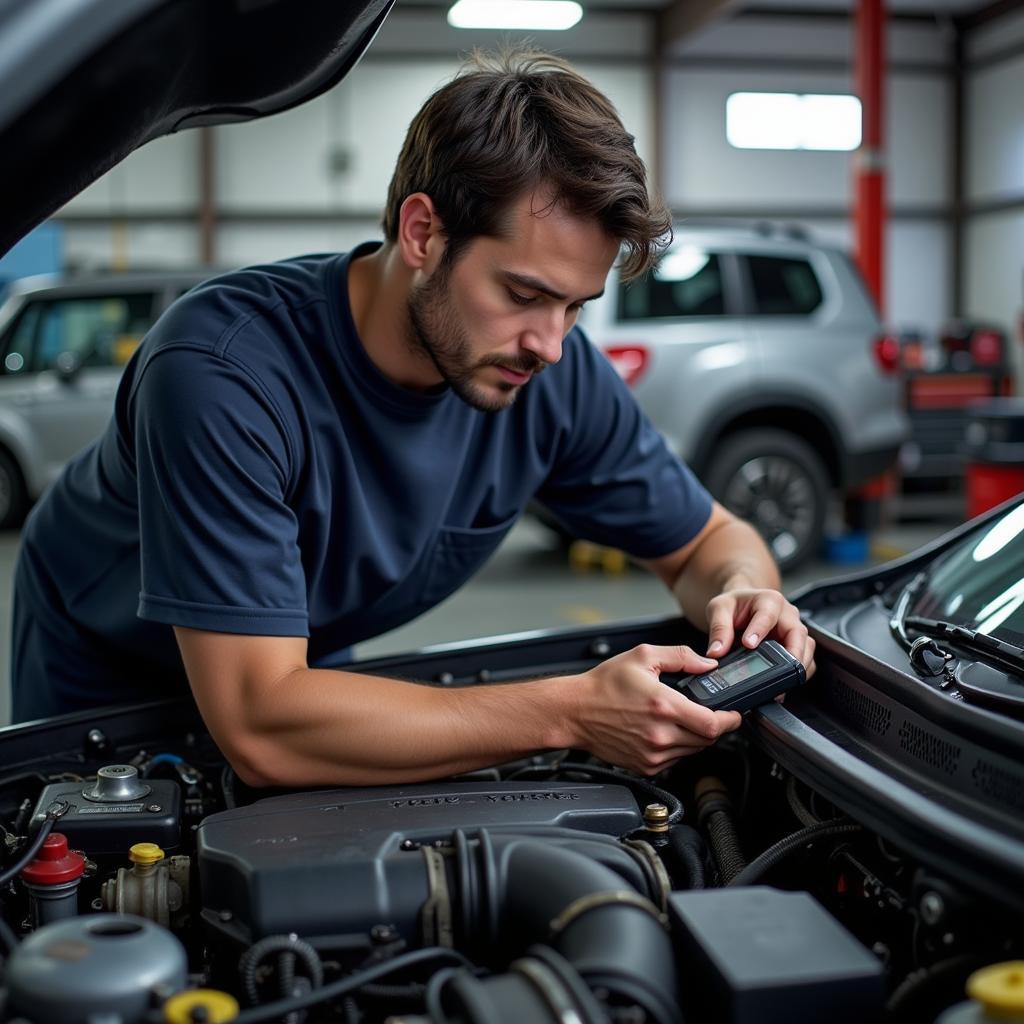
{"x": 522, "y": 300}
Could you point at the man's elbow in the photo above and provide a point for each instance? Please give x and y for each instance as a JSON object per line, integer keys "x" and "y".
{"x": 261, "y": 763}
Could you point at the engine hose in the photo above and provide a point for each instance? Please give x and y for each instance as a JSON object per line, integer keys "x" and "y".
{"x": 290, "y": 947}
{"x": 350, "y": 983}
{"x": 715, "y": 813}
{"x": 30, "y": 852}
{"x": 761, "y": 865}
{"x": 612, "y": 936}
{"x": 639, "y": 787}
{"x": 952, "y": 972}
{"x": 542, "y": 987}
{"x": 801, "y": 812}
{"x": 688, "y": 846}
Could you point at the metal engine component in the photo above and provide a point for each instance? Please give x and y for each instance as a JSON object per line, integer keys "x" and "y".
{"x": 152, "y": 887}
{"x": 106, "y": 815}
{"x": 52, "y": 880}
{"x": 101, "y": 967}
{"x": 117, "y": 783}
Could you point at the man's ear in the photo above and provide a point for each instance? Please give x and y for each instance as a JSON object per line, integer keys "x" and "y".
{"x": 421, "y": 238}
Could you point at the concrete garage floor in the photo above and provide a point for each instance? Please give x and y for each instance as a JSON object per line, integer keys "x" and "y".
{"x": 528, "y": 584}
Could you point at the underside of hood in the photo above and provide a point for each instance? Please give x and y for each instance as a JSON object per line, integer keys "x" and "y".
{"x": 85, "y": 82}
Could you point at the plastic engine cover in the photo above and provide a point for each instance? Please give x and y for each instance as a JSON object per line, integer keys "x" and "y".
{"x": 333, "y": 860}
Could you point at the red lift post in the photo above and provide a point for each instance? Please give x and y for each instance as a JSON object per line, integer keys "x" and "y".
{"x": 869, "y": 213}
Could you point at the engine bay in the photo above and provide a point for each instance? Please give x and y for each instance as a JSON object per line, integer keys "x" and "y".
{"x": 145, "y": 882}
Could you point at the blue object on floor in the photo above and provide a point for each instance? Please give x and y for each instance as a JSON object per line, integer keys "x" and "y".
{"x": 850, "y": 548}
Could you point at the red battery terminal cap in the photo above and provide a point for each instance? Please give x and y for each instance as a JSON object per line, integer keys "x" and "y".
{"x": 55, "y": 863}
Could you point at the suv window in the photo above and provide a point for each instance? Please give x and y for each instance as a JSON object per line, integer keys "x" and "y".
{"x": 686, "y": 282}
{"x": 783, "y": 286}
{"x": 102, "y": 330}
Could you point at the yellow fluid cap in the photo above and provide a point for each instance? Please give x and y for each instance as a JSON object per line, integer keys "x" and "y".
{"x": 999, "y": 988}
{"x": 219, "y": 1007}
{"x": 145, "y": 853}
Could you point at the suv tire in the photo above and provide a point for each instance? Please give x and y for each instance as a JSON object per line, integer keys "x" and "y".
{"x": 779, "y": 484}
{"x": 13, "y": 496}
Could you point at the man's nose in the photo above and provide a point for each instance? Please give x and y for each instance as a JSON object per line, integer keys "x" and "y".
{"x": 544, "y": 339}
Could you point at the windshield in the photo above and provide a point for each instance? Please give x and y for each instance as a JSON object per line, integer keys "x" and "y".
{"x": 980, "y": 584}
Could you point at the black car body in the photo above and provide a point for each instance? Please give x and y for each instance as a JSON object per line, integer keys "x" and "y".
{"x": 850, "y": 855}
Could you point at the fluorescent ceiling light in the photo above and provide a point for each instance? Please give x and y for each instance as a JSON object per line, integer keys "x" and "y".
{"x": 766, "y": 120}
{"x": 515, "y": 14}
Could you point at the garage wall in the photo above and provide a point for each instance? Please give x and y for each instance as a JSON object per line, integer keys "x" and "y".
{"x": 994, "y": 172}
{"x": 707, "y": 177}
{"x": 315, "y": 178}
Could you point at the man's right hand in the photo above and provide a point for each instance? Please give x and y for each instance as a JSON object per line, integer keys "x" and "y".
{"x": 627, "y": 716}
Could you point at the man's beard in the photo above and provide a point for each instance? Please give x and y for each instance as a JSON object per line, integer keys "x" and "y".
{"x": 435, "y": 330}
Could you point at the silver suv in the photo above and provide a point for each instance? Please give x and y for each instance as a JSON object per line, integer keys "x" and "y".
{"x": 63, "y": 346}
{"x": 760, "y": 356}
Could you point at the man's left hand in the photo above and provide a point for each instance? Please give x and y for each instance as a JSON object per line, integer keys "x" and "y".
{"x": 755, "y": 614}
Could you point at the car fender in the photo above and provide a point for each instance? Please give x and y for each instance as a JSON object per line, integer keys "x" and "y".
{"x": 16, "y": 437}
{"x": 770, "y": 408}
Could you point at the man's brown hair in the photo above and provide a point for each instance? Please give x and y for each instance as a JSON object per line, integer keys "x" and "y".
{"x": 516, "y": 120}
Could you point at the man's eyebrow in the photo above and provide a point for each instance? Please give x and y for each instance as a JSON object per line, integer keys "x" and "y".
{"x": 539, "y": 286}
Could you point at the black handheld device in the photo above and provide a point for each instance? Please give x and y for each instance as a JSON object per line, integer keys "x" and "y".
{"x": 745, "y": 678}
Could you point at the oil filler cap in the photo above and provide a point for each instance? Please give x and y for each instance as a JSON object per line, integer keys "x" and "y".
{"x": 999, "y": 988}
{"x": 55, "y": 864}
{"x": 206, "y": 1004}
{"x": 117, "y": 783}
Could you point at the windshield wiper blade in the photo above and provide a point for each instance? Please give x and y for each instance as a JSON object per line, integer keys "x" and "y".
{"x": 1006, "y": 654}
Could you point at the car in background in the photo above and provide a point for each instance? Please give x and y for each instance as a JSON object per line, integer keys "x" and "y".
{"x": 64, "y": 342}
{"x": 759, "y": 355}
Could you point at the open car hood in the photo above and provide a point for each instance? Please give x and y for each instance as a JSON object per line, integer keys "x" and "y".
{"x": 85, "y": 82}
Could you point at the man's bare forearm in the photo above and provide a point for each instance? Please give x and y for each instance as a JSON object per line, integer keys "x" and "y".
{"x": 320, "y": 726}
{"x": 731, "y": 557}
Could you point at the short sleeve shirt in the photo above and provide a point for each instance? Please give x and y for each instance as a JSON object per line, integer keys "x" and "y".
{"x": 261, "y": 476}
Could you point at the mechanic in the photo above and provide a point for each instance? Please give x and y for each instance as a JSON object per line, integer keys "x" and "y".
{"x": 306, "y": 454}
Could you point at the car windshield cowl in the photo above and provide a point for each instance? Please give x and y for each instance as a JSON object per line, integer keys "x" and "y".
{"x": 991, "y": 649}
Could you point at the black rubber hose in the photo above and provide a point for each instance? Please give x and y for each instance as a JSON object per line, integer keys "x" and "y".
{"x": 715, "y": 813}
{"x": 350, "y": 983}
{"x": 919, "y": 987}
{"x": 634, "y": 783}
{"x": 30, "y": 853}
{"x": 618, "y": 946}
{"x": 761, "y": 865}
{"x": 688, "y": 846}
{"x": 251, "y": 959}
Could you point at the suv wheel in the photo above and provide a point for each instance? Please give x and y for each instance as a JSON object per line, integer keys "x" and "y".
{"x": 13, "y": 497}
{"x": 779, "y": 484}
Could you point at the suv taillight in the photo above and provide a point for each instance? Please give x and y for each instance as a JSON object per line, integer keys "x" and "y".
{"x": 987, "y": 348}
{"x": 886, "y": 348}
{"x": 629, "y": 360}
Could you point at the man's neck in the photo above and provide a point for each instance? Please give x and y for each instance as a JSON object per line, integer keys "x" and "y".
{"x": 378, "y": 293}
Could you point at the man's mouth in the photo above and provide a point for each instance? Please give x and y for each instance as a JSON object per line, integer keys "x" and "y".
{"x": 514, "y": 376}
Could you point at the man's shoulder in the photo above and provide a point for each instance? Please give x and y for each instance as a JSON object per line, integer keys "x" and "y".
{"x": 232, "y": 298}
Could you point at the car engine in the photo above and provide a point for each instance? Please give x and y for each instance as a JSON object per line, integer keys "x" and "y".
{"x": 157, "y": 887}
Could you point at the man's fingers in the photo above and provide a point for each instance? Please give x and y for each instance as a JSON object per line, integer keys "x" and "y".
{"x": 761, "y": 623}
{"x": 721, "y": 632}
{"x": 704, "y": 723}
{"x": 675, "y": 659}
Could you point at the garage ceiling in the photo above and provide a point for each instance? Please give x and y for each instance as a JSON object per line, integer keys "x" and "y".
{"x": 937, "y": 8}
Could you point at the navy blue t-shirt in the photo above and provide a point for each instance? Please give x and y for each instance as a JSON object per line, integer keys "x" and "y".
{"x": 261, "y": 476}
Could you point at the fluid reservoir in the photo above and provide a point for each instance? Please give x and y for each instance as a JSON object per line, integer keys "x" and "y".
{"x": 52, "y": 880}
{"x": 996, "y": 997}
{"x": 101, "y": 967}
